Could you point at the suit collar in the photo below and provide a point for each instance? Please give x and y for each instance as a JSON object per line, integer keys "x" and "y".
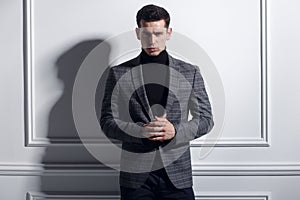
{"x": 138, "y": 82}
{"x": 173, "y": 82}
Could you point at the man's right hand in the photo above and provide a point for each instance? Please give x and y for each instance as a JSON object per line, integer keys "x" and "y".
{"x": 159, "y": 130}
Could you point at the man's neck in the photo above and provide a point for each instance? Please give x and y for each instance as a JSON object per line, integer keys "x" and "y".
{"x": 162, "y": 58}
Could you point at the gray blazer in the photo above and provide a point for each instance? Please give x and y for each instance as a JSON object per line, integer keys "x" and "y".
{"x": 125, "y": 109}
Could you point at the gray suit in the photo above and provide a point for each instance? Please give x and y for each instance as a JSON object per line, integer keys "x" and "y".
{"x": 124, "y": 91}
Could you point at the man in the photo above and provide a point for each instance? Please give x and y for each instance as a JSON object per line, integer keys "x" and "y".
{"x": 146, "y": 105}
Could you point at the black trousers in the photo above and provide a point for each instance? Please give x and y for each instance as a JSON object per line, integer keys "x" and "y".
{"x": 157, "y": 187}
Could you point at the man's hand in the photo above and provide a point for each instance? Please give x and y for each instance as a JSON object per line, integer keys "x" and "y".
{"x": 160, "y": 129}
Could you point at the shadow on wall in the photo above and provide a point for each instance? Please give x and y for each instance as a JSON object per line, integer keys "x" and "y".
{"x": 63, "y": 157}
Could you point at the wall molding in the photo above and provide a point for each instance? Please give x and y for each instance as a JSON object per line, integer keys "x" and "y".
{"x": 237, "y": 196}
{"x": 234, "y": 196}
{"x": 264, "y": 139}
{"x": 41, "y": 196}
{"x": 32, "y": 140}
{"x": 290, "y": 169}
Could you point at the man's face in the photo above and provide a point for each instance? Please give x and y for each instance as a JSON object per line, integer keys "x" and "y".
{"x": 153, "y": 36}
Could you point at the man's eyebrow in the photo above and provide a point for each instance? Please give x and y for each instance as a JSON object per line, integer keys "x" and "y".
{"x": 153, "y": 30}
{"x": 159, "y": 30}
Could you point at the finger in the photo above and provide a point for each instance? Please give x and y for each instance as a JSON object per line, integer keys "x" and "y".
{"x": 156, "y": 124}
{"x": 157, "y": 139}
{"x": 164, "y": 115}
{"x": 160, "y": 119}
{"x": 146, "y": 124}
{"x": 153, "y": 128}
{"x": 156, "y": 134}
{"x": 152, "y": 134}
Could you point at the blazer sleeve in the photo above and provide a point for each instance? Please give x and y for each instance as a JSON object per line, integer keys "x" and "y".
{"x": 200, "y": 109}
{"x": 112, "y": 126}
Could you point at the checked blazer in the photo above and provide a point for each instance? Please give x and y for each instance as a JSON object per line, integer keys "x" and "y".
{"x": 125, "y": 109}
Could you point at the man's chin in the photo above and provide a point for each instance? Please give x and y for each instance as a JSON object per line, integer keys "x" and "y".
{"x": 152, "y": 52}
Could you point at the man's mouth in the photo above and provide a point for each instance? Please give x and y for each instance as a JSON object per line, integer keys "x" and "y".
{"x": 152, "y": 49}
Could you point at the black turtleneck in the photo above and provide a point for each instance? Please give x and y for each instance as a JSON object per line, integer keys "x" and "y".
{"x": 154, "y": 74}
{"x": 162, "y": 58}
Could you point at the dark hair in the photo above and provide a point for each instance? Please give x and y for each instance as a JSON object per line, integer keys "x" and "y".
{"x": 150, "y": 13}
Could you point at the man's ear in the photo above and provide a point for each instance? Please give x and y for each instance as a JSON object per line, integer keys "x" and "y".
{"x": 137, "y": 32}
{"x": 169, "y": 33}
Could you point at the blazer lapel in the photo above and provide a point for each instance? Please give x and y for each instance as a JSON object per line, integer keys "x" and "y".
{"x": 173, "y": 83}
{"x": 138, "y": 82}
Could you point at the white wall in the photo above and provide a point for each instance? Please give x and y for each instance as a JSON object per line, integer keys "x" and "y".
{"x": 253, "y": 44}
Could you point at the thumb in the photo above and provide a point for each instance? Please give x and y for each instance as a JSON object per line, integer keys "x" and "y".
{"x": 163, "y": 117}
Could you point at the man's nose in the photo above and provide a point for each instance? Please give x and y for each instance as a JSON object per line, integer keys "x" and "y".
{"x": 151, "y": 38}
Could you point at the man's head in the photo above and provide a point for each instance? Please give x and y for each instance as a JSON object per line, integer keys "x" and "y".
{"x": 151, "y": 13}
{"x": 153, "y": 28}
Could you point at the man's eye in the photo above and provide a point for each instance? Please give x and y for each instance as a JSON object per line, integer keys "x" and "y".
{"x": 146, "y": 34}
{"x": 158, "y": 34}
